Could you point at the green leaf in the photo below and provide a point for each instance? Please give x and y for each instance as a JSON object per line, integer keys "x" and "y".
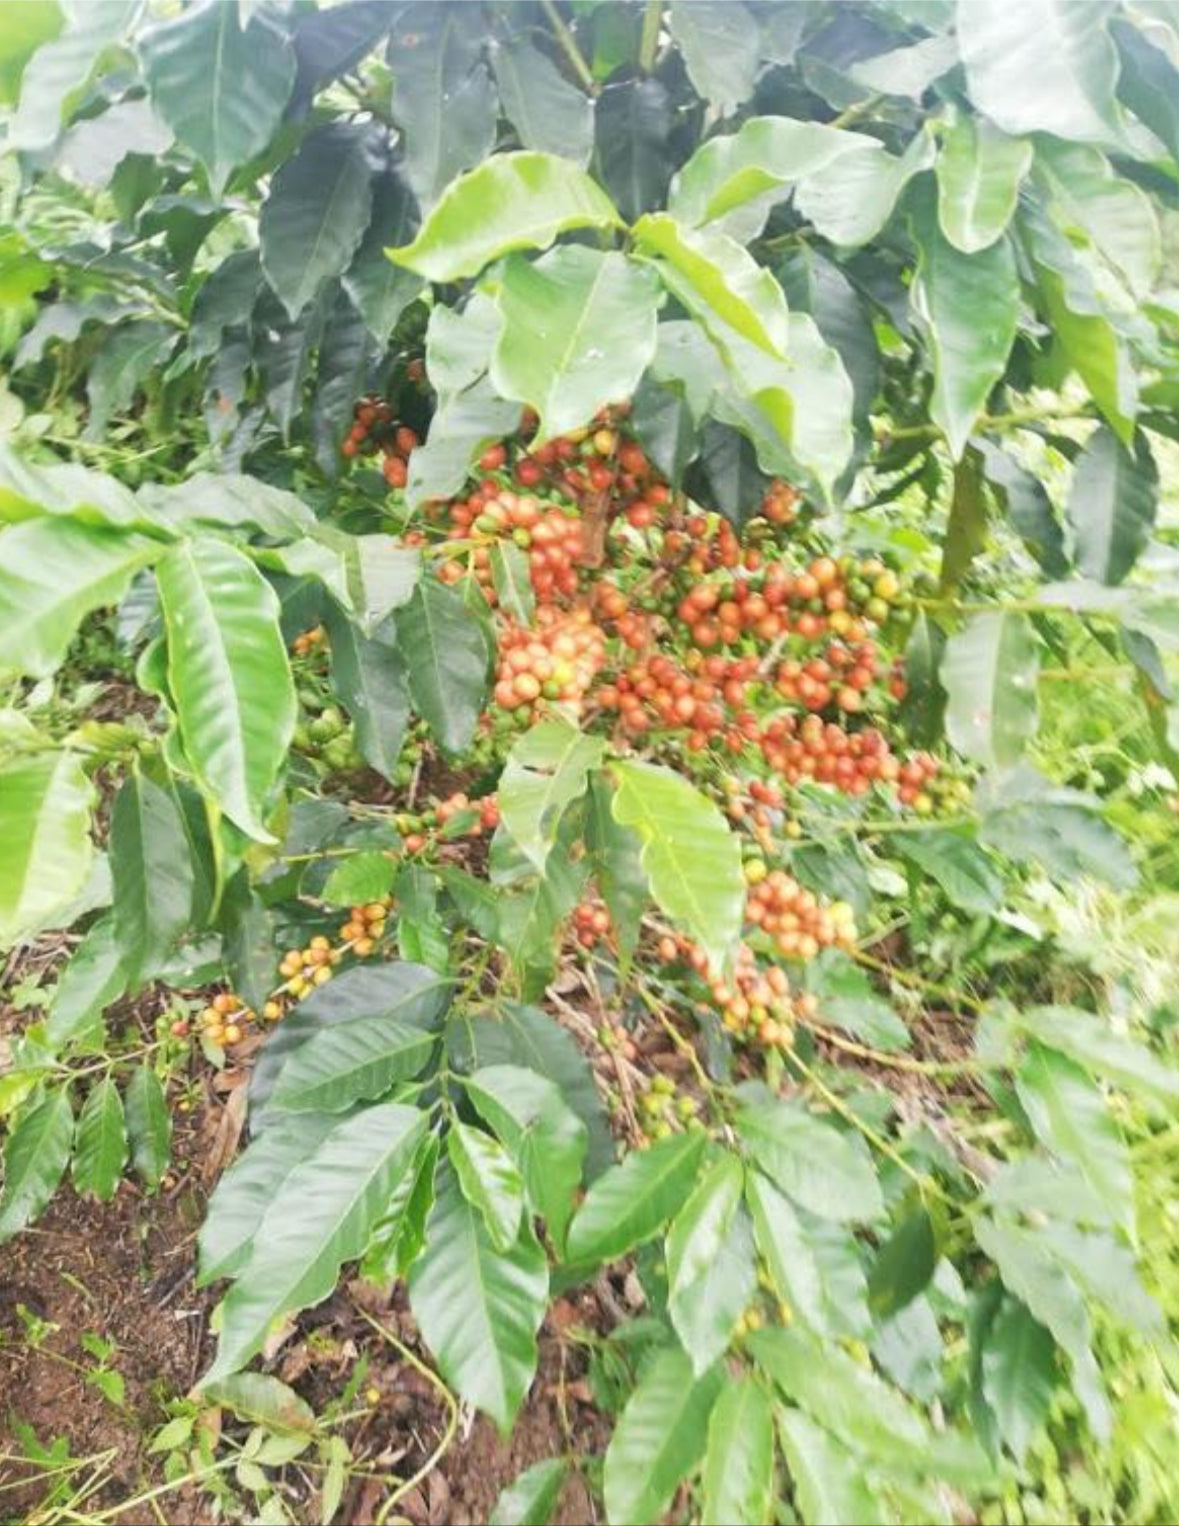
{"x": 735, "y": 179}
{"x": 345, "y": 354}
{"x": 903, "y": 1266}
{"x": 26, "y": 28}
{"x": 369, "y": 678}
{"x": 445, "y": 650}
{"x": 692, "y": 860}
{"x": 351, "y": 1062}
{"x": 29, "y": 490}
{"x": 1092, "y": 203}
{"x": 100, "y": 1142}
{"x": 711, "y": 1268}
{"x": 149, "y": 1125}
{"x": 531, "y": 1498}
{"x": 633, "y": 1201}
{"x": 1070, "y": 1118}
{"x": 966, "y": 529}
{"x": 1112, "y": 505}
{"x": 45, "y": 847}
{"x": 738, "y": 1481}
{"x": 829, "y": 1483}
{"x": 849, "y": 1001}
{"x": 321, "y": 1216}
{"x": 547, "y": 112}
{"x": 53, "y": 572}
{"x": 716, "y": 278}
{"x": 263, "y": 1400}
{"x": 512, "y": 201}
{"x": 35, "y": 1156}
{"x": 633, "y": 125}
{"x": 247, "y": 1189}
{"x": 546, "y": 771}
{"x": 510, "y": 571}
{"x": 128, "y": 356}
{"x": 315, "y": 216}
{"x": 152, "y": 875}
{"x": 459, "y": 343}
{"x": 478, "y": 1308}
{"x": 968, "y": 306}
{"x": 989, "y": 671}
{"x": 1018, "y": 1374}
{"x": 721, "y": 47}
{"x": 850, "y": 203}
{"x": 443, "y": 98}
{"x": 546, "y": 1138}
{"x": 578, "y": 332}
{"x": 1031, "y": 821}
{"x": 1028, "y": 507}
{"x": 618, "y": 867}
{"x": 381, "y": 291}
{"x": 660, "y": 1437}
{"x": 228, "y": 500}
{"x": 229, "y": 675}
{"x": 1090, "y": 1041}
{"x": 462, "y": 428}
{"x": 1043, "y": 67}
{"x": 90, "y": 982}
{"x": 1146, "y": 81}
{"x": 908, "y": 70}
{"x": 814, "y": 1266}
{"x": 224, "y": 300}
{"x": 489, "y": 1180}
{"x": 979, "y": 172}
{"x": 956, "y": 863}
{"x": 221, "y": 87}
{"x": 824, "y": 1171}
{"x": 421, "y": 933}
{"x": 816, "y": 285}
{"x": 366, "y": 876}
{"x": 54, "y": 80}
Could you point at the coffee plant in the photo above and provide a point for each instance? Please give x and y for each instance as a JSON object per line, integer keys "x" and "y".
{"x": 594, "y": 496}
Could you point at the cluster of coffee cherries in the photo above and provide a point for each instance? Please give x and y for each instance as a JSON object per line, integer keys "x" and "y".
{"x": 557, "y": 660}
{"x": 663, "y": 1113}
{"x": 550, "y": 534}
{"x": 375, "y": 429}
{"x": 328, "y": 738}
{"x": 780, "y": 504}
{"x": 457, "y": 816}
{"x": 309, "y": 642}
{"x": 841, "y": 676}
{"x": 591, "y": 922}
{"x": 660, "y": 693}
{"x": 915, "y": 784}
{"x": 792, "y": 917}
{"x": 757, "y": 1003}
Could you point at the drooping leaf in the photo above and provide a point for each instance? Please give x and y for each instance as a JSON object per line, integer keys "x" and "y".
{"x": 379, "y": 289}
{"x": 345, "y": 354}
{"x": 229, "y": 675}
{"x": 446, "y": 653}
{"x": 711, "y": 1269}
{"x": 247, "y": 941}
{"x": 321, "y": 1216}
{"x": 1029, "y": 820}
{"x": 1092, "y": 1042}
{"x": 633, "y": 125}
{"x": 45, "y": 847}
{"x": 478, "y": 1308}
{"x": 548, "y": 113}
{"x": 149, "y": 1126}
{"x": 90, "y": 982}
{"x": 531, "y": 1498}
{"x": 738, "y": 1478}
{"x": 1112, "y": 505}
{"x": 1018, "y": 1374}
{"x": 989, "y": 671}
{"x": 1028, "y": 507}
{"x": 1090, "y": 201}
{"x": 100, "y": 1142}
{"x": 660, "y": 1437}
{"x": 720, "y": 45}
{"x": 851, "y": 202}
{"x": 35, "y": 1156}
{"x": 904, "y": 1265}
{"x": 829, "y": 1483}
{"x": 512, "y": 201}
{"x": 152, "y": 875}
{"x": 54, "y": 572}
{"x": 510, "y": 571}
{"x": 979, "y": 171}
{"x": 369, "y": 678}
{"x": 578, "y": 332}
{"x": 811, "y": 1161}
{"x": 957, "y": 863}
{"x": 814, "y": 1266}
{"x": 462, "y": 428}
{"x": 817, "y": 286}
{"x": 633, "y": 1201}
{"x": 53, "y": 82}
{"x": 545, "y": 772}
{"x": 316, "y": 214}
{"x": 1070, "y": 1118}
{"x": 489, "y": 1180}
{"x": 618, "y": 867}
{"x": 910, "y": 69}
{"x": 127, "y": 358}
{"x": 692, "y": 860}
{"x": 221, "y": 87}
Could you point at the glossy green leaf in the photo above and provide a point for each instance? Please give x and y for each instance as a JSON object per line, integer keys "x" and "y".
{"x": 1071, "y": 1119}
{"x": 35, "y": 1156}
{"x": 321, "y": 1216}
{"x": 221, "y": 87}
{"x": 531, "y": 1498}
{"x": 128, "y": 356}
{"x": 1041, "y": 67}
{"x": 90, "y": 982}
{"x": 1018, "y": 1374}
{"x": 634, "y": 121}
{"x": 381, "y": 291}
{"x": 578, "y": 332}
{"x": 979, "y": 172}
{"x": 1028, "y": 507}
{"x": 1089, "y": 200}
{"x": 45, "y": 847}
{"x": 968, "y": 306}
{"x": 446, "y": 653}
{"x": 316, "y": 214}
{"x": 100, "y": 1142}
{"x": 720, "y": 46}
{"x": 149, "y": 1126}
{"x": 660, "y": 1437}
{"x": 489, "y": 1180}
{"x": 546, "y": 771}
{"x": 815, "y": 1267}
{"x": 478, "y": 1308}
{"x": 462, "y": 428}
{"x": 828, "y": 1480}
{"x": 421, "y": 932}
{"x": 229, "y": 675}
{"x": 545, "y": 1137}
{"x": 822, "y": 1169}
{"x": 852, "y": 201}
{"x": 369, "y": 678}
{"x": 512, "y": 201}
{"x": 691, "y": 859}
{"x": 956, "y": 863}
{"x": 54, "y": 80}
{"x": 989, "y": 671}
{"x": 1112, "y": 505}
{"x": 351, "y": 1062}
{"x": 711, "y": 1269}
{"x": 618, "y": 866}
{"x": 365, "y": 876}
{"x": 738, "y": 1479}
{"x": 633, "y": 1201}
{"x": 152, "y": 875}
{"x": 511, "y": 573}
{"x": 548, "y": 113}
{"x": 53, "y": 572}
{"x": 903, "y": 1266}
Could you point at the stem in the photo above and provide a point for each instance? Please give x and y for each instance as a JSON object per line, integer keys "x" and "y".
{"x": 898, "y": 1061}
{"x": 855, "y": 111}
{"x": 649, "y": 43}
{"x": 569, "y": 46}
{"x": 918, "y": 982}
